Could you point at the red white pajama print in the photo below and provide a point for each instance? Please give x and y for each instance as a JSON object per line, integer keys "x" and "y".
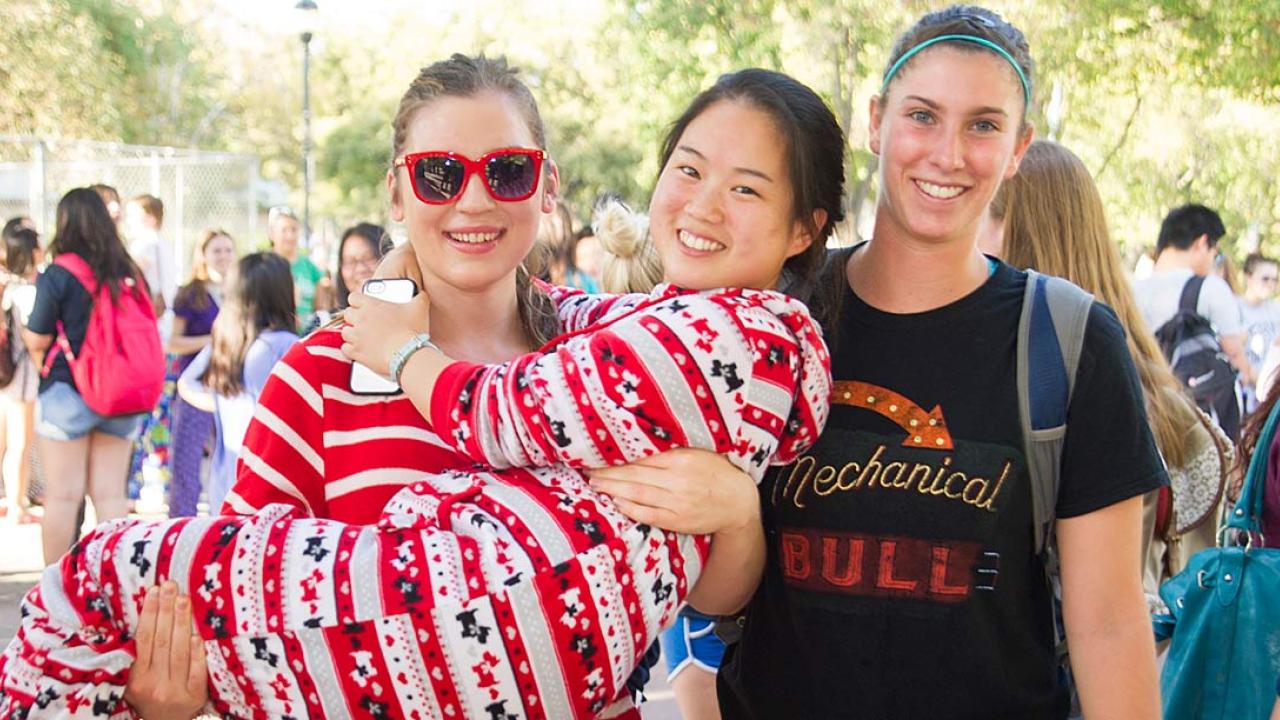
{"x": 510, "y": 593}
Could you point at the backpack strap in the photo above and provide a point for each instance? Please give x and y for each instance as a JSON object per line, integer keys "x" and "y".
{"x": 77, "y": 266}
{"x": 80, "y": 269}
{"x": 1050, "y": 337}
{"x": 1190, "y": 297}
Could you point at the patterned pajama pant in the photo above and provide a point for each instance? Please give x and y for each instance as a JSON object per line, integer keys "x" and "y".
{"x": 523, "y": 595}
{"x": 191, "y": 429}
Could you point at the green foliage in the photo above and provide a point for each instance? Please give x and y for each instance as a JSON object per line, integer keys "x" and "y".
{"x": 1230, "y": 44}
{"x": 1167, "y": 101}
{"x": 83, "y": 100}
{"x": 353, "y": 159}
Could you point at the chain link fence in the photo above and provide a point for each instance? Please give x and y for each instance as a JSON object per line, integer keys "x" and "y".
{"x": 199, "y": 189}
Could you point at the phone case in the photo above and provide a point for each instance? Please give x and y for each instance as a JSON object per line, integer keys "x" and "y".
{"x": 364, "y": 381}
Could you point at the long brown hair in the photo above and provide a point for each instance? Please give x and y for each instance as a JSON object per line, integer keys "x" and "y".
{"x": 85, "y": 228}
{"x": 464, "y": 77}
{"x": 1054, "y": 222}
{"x": 258, "y": 297}
{"x": 1249, "y": 433}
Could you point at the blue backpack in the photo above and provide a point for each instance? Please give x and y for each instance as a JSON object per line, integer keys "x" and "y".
{"x": 1050, "y": 337}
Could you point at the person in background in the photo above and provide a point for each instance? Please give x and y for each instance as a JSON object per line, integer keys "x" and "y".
{"x": 80, "y": 449}
{"x": 115, "y": 210}
{"x": 581, "y": 261}
{"x": 1224, "y": 268}
{"x": 144, "y": 217}
{"x": 991, "y": 227}
{"x": 149, "y": 466}
{"x": 555, "y": 233}
{"x": 1249, "y": 436}
{"x": 1054, "y": 222}
{"x": 311, "y": 285}
{"x": 22, "y": 258}
{"x": 252, "y": 332}
{"x": 1260, "y": 312}
{"x": 359, "y": 252}
{"x": 194, "y": 309}
{"x": 1187, "y": 247}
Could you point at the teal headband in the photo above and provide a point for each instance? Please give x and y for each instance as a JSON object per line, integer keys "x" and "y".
{"x": 893, "y": 69}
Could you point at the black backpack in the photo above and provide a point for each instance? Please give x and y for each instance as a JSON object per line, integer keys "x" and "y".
{"x": 1193, "y": 350}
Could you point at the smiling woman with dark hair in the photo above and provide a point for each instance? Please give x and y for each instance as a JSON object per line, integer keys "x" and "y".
{"x": 359, "y": 252}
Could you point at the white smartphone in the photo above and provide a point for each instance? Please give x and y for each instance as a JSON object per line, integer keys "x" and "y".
{"x": 397, "y": 290}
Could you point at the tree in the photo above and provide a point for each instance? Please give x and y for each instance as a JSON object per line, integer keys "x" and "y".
{"x": 56, "y": 75}
{"x": 1166, "y": 102}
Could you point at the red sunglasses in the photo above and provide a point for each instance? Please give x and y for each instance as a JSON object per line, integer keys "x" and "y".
{"x": 439, "y": 177}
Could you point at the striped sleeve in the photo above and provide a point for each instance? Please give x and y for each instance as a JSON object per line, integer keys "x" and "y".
{"x": 734, "y": 372}
{"x": 578, "y": 310}
{"x": 282, "y": 460}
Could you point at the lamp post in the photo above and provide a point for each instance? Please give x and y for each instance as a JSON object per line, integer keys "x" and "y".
{"x": 306, "y": 12}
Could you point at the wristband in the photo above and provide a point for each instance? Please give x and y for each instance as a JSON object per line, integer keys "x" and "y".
{"x": 401, "y": 356}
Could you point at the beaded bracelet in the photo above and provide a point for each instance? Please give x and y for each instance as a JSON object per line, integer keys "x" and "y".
{"x": 401, "y": 356}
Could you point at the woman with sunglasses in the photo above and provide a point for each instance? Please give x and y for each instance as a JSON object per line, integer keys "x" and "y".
{"x": 519, "y": 588}
{"x": 904, "y": 580}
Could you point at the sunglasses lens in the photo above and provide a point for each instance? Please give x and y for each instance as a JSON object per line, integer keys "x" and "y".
{"x": 511, "y": 176}
{"x": 438, "y": 179}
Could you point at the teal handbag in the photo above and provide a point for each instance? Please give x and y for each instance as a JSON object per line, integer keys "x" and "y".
{"x": 1224, "y": 616}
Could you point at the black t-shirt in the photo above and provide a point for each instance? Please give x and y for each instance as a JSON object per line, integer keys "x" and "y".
{"x": 902, "y": 579}
{"x": 60, "y": 296}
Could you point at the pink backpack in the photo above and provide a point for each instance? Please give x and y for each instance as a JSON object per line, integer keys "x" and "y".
{"x": 120, "y": 369}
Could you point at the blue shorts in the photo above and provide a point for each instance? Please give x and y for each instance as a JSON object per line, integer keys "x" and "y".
{"x": 692, "y": 641}
{"x": 61, "y": 414}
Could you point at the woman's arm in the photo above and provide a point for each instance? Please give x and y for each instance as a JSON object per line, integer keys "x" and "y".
{"x": 698, "y": 492}
{"x": 182, "y": 344}
{"x": 578, "y": 310}
{"x": 38, "y": 334}
{"x": 1108, "y": 628}
{"x": 37, "y": 344}
{"x": 192, "y": 388}
{"x": 742, "y": 373}
{"x": 574, "y": 308}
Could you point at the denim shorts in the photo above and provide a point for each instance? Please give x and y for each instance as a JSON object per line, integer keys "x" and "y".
{"x": 61, "y": 414}
{"x": 692, "y": 641}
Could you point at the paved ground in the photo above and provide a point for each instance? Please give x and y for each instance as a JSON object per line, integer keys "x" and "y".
{"x": 20, "y": 565}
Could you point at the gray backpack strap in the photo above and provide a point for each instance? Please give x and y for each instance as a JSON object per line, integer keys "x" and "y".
{"x": 1050, "y": 337}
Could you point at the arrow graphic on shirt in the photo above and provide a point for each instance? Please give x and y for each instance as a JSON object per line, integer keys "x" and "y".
{"x": 924, "y": 429}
